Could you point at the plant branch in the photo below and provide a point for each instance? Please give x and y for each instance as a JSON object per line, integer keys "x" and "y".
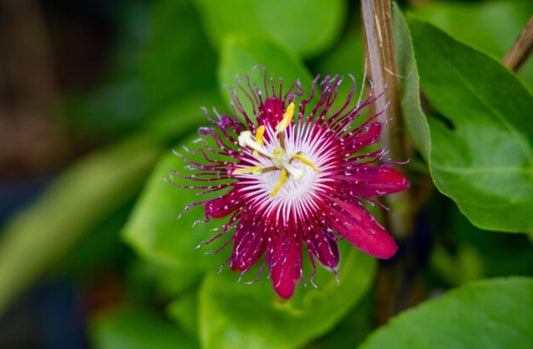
{"x": 381, "y": 62}
{"x": 398, "y": 283}
{"x": 522, "y": 48}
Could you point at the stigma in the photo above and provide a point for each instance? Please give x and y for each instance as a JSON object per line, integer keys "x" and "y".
{"x": 277, "y": 159}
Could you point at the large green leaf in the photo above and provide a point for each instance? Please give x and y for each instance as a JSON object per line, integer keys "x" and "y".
{"x": 184, "y": 311}
{"x": 415, "y": 120}
{"x": 307, "y": 27}
{"x": 177, "y": 58}
{"x": 346, "y": 58}
{"x": 485, "y": 314}
{"x": 482, "y": 153}
{"x": 352, "y": 330}
{"x": 241, "y": 55}
{"x": 154, "y": 229}
{"x": 236, "y": 315}
{"x": 155, "y": 281}
{"x": 130, "y": 328}
{"x": 491, "y": 26}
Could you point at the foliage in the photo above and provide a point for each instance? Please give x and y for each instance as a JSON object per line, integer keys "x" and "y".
{"x": 468, "y": 120}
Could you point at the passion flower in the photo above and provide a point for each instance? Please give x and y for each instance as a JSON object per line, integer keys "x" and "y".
{"x": 293, "y": 172}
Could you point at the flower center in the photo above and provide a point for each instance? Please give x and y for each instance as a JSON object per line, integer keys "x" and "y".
{"x": 279, "y": 159}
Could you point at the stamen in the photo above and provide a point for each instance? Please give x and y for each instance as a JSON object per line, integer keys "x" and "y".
{"x": 287, "y": 117}
{"x": 259, "y": 135}
{"x": 304, "y": 160}
{"x": 280, "y": 183}
{"x": 246, "y": 140}
{"x": 259, "y": 139}
{"x": 254, "y": 170}
{"x": 279, "y": 158}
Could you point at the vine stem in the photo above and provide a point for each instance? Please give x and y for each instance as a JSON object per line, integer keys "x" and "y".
{"x": 522, "y": 48}
{"x": 397, "y": 281}
{"x": 381, "y": 63}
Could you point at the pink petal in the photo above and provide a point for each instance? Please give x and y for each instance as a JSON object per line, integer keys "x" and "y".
{"x": 285, "y": 260}
{"x": 370, "y": 181}
{"x": 323, "y": 246}
{"x": 370, "y": 136}
{"x": 224, "y": 205}
{"x": 248, "y": 245}
{"x": 359, "y": 227}
{"x": 271, "y": 112}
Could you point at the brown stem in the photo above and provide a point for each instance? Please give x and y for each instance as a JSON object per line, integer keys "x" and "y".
{"x": 521, "y": 50}
{"x": 396, "y": 283}
{"x": 381, "y": 61}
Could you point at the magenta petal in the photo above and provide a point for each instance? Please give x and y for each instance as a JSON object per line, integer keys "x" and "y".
{"x": 370, "y": 136}
{"x": 248, "y": 245}
{"x": 370, "y": 181}
{"x": 224, "y": 205}
{"x": 322, "y": 246}
{"x": 285, "y": 259}
{"x": 359, "y": 227}
{"x": 384, "y": 179}
{"x": 271, "y": 112}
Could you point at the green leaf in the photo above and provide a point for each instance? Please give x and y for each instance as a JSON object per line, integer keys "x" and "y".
{"x": 177, "y": 58}
{"x": 236, "y": 315}
{"x": 306, "y": 27}
{"x": 154, "y": 229}
{"x": 491, "y": 26}
{"x": 73, "y": 204}
{"x": 482, "y": 153}
{"x": 184, "y": 311}
{"x": 414, "y": 118}
{"x": 130, "y": 328}
{"x": 153, "y": 281}
{"x": 346, "y": 58}
{"x": 243, "y": 53}
{"x": 352, "y": 330}
{"x": 183, "y": 116}
{"x": 485, "y": 314}
{"x": 500, "y": 254}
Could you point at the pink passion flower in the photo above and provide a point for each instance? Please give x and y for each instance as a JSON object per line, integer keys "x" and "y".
{"x": 290, "y": 174}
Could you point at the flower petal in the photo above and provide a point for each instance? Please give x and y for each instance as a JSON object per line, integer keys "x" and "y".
{"x": 285, "y": 261}
{"x": 359, "y": 227}
{"x": 369, "y": 135}
{"x": 248, "y": 244}
{"x": 224, "y": 205}
{"x": 369, "y": 181}
{"x": 271, "y": 112}
{"x": 321, "y": 244}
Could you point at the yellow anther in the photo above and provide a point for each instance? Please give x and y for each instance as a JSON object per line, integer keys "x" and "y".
{"x": 246, "y": 139}
{"x": 304, "y": 160}
{"x": 259, "y": 138}
{"x": 259, "y": 135}
{"x": 280, "y": 183}
{"x": 287, "y": 117}
{"x": 246, "y": 170}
